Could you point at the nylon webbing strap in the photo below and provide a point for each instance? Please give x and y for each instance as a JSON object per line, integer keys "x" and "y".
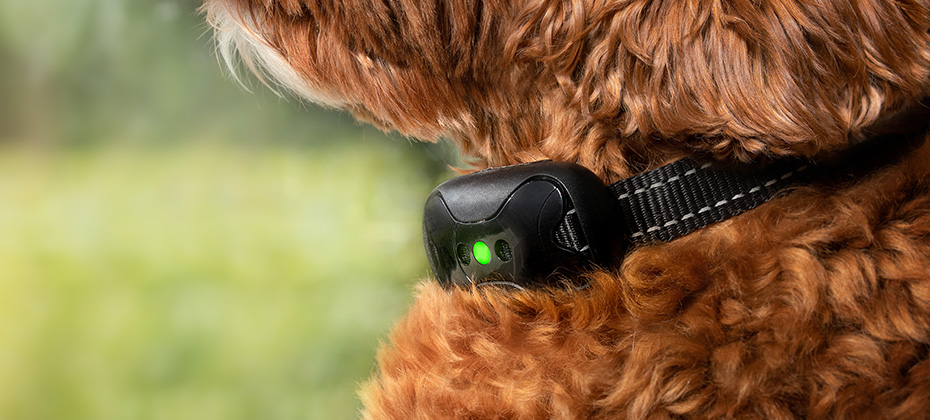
{"x": 681, "y": 197}
{"x": 685, "y": 195}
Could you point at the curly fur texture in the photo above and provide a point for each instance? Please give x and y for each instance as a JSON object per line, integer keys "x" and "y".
{"x": 816, "y": 304}
{"x": 617, "y": 86}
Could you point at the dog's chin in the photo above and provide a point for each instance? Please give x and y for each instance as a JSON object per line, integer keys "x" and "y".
{"x": 240, "y": 37}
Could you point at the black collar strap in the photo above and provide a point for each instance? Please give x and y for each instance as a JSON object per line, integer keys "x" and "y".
{"x": 684, "y": 196}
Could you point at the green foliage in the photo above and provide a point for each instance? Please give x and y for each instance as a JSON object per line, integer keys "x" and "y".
{"x": 174, "y": 247}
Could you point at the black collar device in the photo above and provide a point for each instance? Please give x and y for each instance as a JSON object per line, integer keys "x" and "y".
{"x": 531, "y": 224}
{"x": 508, "y": 224}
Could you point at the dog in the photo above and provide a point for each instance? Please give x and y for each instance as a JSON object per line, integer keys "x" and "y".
{"x": 815, "y": 304}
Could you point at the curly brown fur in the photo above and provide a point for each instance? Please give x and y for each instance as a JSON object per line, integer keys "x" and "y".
{"x": 816, "y": 304}
{"x": 600, "y": 82}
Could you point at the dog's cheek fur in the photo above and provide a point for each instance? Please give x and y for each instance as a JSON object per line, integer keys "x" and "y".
{"x": 815, "y": 305}
{"x": 594, "y": 82}
{"x": 429, "y": 69}
{"x": 239, "y": 32}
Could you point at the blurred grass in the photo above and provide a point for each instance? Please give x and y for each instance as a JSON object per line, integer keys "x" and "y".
{"x": 200, "y": 282}
{"x": 175, "y": 247}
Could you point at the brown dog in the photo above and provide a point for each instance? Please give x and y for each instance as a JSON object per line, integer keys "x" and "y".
{"x": 816, "y": 304}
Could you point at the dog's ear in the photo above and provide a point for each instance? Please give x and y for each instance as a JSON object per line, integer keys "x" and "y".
{"x": 734, "y": 77}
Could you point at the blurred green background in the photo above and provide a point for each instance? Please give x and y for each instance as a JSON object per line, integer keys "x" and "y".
{"x": 175, "y": 247}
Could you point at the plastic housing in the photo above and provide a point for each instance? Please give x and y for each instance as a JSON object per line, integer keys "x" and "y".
{"x": 516, "y": 211}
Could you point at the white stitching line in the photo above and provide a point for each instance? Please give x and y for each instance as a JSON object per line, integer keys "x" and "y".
{"x": 660, "y": 183}
{"x": 718, "y": 204}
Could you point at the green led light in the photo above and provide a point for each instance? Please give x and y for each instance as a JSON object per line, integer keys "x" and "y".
{"x": 482, "y": 253}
